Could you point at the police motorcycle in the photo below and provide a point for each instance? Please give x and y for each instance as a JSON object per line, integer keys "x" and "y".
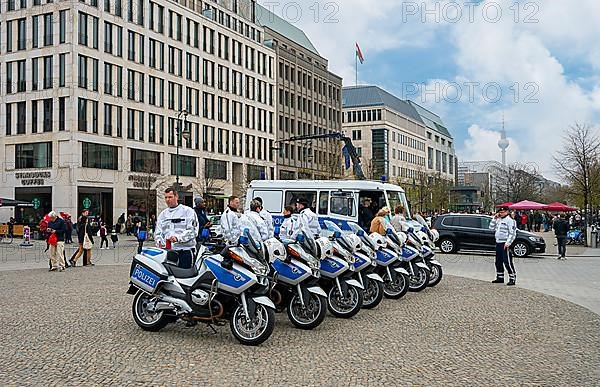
{"x": 364, "y": 264}
{"x": 427, "y": 237}
{"x": 296, "y": 279}
{"x": 409, "y": 250}
{"x": 344, "y": 294}
{"x": 207, "y": 292}
{"x": 387, "y": 264}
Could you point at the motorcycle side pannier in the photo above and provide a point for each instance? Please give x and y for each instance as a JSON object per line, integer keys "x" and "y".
{"x": 146, "y": 275}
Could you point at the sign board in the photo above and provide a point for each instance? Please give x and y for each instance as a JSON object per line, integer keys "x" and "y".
{"x": 26, "y": 237}
{"x": 37, "y": 203}
{"x": 87, "y": 203}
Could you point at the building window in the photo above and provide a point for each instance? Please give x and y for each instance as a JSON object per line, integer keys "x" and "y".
{"x": 33, "y": 155}
{"x": 9, "y": 36}
{"x": 215, "y": 169}
{"x": 61, "y": 113}
{"x": 34, "y": 116}
{"x": 21, "y": 76}
{"x": 47, "y": 72}
{"x": 48, "y": 115}
{"x": 34, "y": 26}
{"x": 99, "y": 156}
{"x": 82, "y": 115}
{"x": 107, "y": 119}
{"x": 48, "y": 30}
{"x": 61, "y": 69}
{"x": 145, "y": 161}
{"x": 187, "y": 166}
{"x": 82, "y": 72}
{"x": 21, "y": 117}
{"x": 83, "y": 38}
{"x": 21, "y": 34}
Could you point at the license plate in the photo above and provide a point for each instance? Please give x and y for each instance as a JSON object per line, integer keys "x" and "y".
{"x": 145, "y": 276}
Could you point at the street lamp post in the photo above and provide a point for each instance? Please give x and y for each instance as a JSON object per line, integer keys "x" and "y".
{"x": 180, "y": 133}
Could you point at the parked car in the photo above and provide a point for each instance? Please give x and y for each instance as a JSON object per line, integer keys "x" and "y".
{"x": 471, "y": 231}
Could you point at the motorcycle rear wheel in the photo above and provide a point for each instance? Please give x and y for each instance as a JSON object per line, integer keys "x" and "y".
{"x": 256, "y": 330}
{"x": 311, "y": 315}
{"x": 145, "y": 319}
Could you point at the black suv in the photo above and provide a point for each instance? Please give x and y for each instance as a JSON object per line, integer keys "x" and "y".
{"x": 471, "y": 231}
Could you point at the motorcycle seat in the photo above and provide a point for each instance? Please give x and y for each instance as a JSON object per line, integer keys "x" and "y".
{"x": 179, "y": 272}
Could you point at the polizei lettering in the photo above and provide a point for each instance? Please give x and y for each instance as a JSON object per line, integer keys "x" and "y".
{"x": 145, "y": 278}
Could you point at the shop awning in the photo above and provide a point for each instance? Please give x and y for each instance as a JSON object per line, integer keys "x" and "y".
{"x": 14, "y": 203}
{"x": 560, "y": 207}
{"x": 528, "y": 205}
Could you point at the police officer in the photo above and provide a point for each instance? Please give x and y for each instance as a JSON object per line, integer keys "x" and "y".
{"x": 231, "y": 228}
{"x": 307, "y": 217}
{"x": 266, "y": 215}
{"x": 257, "y": 220}
{"x": 177, "y": 229}
{"x": 506, "y": 232}
{"x": 288, "y": 224}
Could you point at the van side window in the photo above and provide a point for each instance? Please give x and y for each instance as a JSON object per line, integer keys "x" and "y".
{"x": 449, "y": 221}
{"x": 292, "y": 196}
{"x": 469, "y": 221}
{"x": 323, "y": 200}
{"x": 272, "y": 200}
{"x": 342, "y": 205}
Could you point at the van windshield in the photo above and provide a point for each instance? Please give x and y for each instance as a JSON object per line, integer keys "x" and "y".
{"x": 397, "y": 198}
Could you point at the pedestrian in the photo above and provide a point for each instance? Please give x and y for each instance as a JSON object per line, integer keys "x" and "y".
{"x": 114, "y": 237}
{"x": 103, "y": 236}
{"x": 80, "y": 250}
{"x": 287, "y": 227}
{"x": 128, "y": 225}
{"x": 523, "y": 221}
{"x": 177, "y": 229}
{"x": 69, "y": 232}
{"x": 398, "y": 219}
{"x": 231, "y": 228}
{"x": 86, "y": 239}
{"x": 505, "y": 229}
{"x": 56, "y": 241}
{"x": 142, "y": 234}
{"x": 561, "y": 229}
{"x": 365, "y": 214}
{"x": 203, "y": 222}
{"x": 378, "y": 224}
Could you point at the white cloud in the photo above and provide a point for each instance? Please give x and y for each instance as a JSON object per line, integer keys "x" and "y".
{"x": 482, "y": 144}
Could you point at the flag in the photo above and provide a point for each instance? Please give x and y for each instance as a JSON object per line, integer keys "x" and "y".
{"x": 359, "y": 54}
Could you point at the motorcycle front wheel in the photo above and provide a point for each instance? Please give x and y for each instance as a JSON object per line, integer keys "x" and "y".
{"x": 345, "y": 306}
{"x": 395, "y": 288}
{"x": 254, "y": 330}
{"x": 419, "y": 280}
{"x": 143, "y": 317}
{"x": 309, "y": 316}
{"x": 435, "y": 276}
{"x": 373, "y": 294}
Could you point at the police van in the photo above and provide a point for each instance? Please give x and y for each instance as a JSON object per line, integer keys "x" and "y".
{"x": 335, "y": 200}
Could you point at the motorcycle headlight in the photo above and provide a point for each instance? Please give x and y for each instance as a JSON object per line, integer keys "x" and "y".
{"x": 257, "y": 267}
{"x": 313, "y": 263}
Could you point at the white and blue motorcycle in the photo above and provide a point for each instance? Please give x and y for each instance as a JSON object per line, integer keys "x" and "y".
{"x": 296, "y": 280}
{"x": 408, "y": 249}
{"x": 207, "y": 292}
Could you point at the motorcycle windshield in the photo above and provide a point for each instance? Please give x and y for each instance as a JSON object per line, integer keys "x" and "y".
{"x": 343, "y": 240}
{"x": 309, "y": 243}
{"x": 365, "y": 240}
{"x": 422, "y": 221}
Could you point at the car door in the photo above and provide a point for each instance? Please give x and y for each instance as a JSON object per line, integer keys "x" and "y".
{"x": 488, "y": 239}
{"x": 468, "y": 230}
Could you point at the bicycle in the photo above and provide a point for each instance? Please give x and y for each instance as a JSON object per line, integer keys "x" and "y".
{"x": 6, "y": 238}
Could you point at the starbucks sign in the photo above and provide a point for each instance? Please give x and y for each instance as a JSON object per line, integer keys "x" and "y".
{"x": 87, "y": 203}
{"x": 36, "y": 203}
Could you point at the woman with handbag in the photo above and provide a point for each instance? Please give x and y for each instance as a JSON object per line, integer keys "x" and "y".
{"x": 84, "y": 233}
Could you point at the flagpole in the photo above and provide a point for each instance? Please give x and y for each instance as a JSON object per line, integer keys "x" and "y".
{"x": 356, "y": 65}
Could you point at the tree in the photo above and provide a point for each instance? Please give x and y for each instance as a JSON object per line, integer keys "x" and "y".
{"x": 519, "y": 182}
{"x": 579, "y": 162}
{"x": 149, "y": 180}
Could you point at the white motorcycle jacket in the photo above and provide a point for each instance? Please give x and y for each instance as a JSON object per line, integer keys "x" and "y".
{"x": 180, "y": 222}
{"x": 230, "y": 226}
{"x": 506, "y": 229}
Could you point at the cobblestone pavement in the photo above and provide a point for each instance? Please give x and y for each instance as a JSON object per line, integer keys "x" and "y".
{"x": 75, "y": 328}
{"x": 576, "y": 280}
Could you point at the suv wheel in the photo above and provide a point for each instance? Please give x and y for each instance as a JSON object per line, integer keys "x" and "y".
{"x": 447, "y": 245}
{"x": 521, "y": 249}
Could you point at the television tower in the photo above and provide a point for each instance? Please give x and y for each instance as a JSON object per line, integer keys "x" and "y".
{"x": 503, "y": 142}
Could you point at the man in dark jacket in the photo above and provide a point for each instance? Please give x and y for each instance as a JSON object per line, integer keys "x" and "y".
{"x": 561, "y": 228}
{"x": 203, "y": 221}
{"x": 57, "y": 227}
{"x": 365, "y": 215}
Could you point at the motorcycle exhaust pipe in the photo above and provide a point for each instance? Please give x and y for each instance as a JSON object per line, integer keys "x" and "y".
{"x": 212, "y": 318}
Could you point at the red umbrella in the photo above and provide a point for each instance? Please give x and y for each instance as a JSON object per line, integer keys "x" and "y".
{"x": 505, "y": 205}
{"x": 527, "y": 205}
{"x": 559, "y": 207}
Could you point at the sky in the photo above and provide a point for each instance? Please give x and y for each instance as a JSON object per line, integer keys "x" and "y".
{"x": 532, "y": 64}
